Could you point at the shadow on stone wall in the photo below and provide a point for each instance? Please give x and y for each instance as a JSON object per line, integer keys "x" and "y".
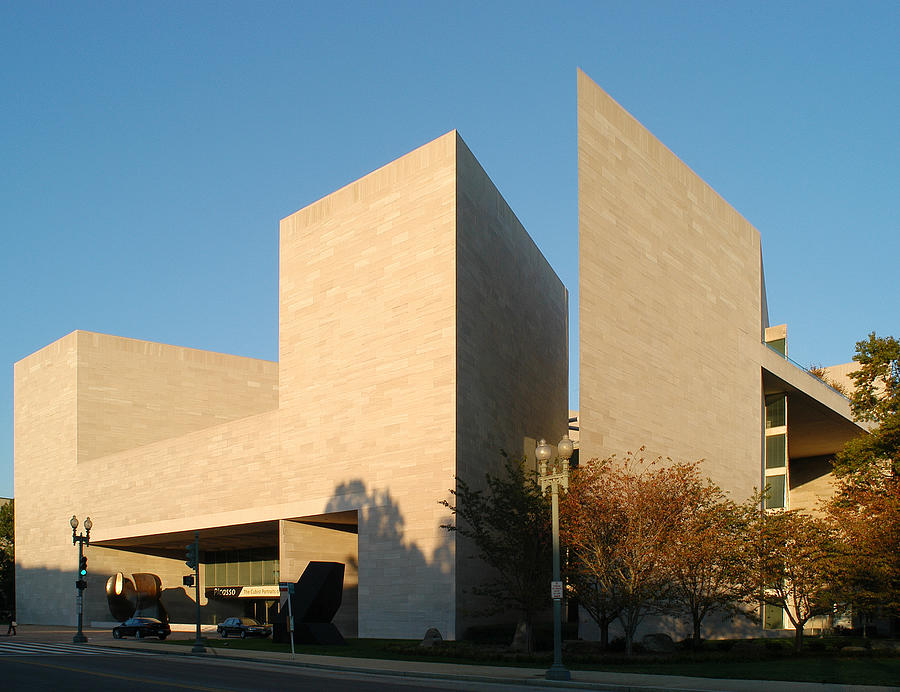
{"x": 402, "y": 591}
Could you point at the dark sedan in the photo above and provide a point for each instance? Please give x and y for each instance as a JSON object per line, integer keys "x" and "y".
{"x": 243, "y": 627}
{"x": 142, "y": 627}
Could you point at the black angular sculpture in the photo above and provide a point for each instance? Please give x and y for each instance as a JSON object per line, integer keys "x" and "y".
{"x": 136, "y": 596}
{"x": 317, "y": 597}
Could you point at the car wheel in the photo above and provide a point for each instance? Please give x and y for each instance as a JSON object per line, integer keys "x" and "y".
{"x": 137, "y": 634}
{"x": 224, "y": 634}
{"x": 116, "y": 634}
{"x": 162, "y": 636}
{"x": 243, "y": 634}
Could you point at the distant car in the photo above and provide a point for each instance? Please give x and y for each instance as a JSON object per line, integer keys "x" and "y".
{"x": 243, "y": 627}
{"x": 142, "y": 627}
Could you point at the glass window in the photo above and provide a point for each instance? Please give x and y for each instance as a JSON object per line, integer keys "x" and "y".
{"x": 779, "y": 345}
{"x": 270, "y": 572}
{"x": 256, "y": 573}
{"x": 232, "y": 573}
{"x": 775, "y": 411}
{"x": 773, "y": 617}
{"x": 774, "y": 492}
{"x": 244, "y": 572}
{"x": 776, "y": 451}
{"x": 220, "y": 572}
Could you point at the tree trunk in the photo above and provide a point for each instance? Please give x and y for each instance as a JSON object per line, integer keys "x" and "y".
{"x": 798, "y": 638}
{"x": 695, "y": 642}
{"x": 604, "y": 633}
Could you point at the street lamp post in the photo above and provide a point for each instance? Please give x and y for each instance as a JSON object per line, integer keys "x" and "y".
{"x": 82, "y": 540}
{"x": 554, "y": 479}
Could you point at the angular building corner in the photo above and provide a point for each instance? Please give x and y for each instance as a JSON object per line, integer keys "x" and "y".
{"x": 410, "y": 351}
{"x": 676, "y": 349}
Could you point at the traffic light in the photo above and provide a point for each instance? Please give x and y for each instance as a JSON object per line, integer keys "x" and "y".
{"x": 191, "y": 557}
{"x": 82, "y": 567}
{"x": 81, "y": 584}
{"x": 188, "y": 580}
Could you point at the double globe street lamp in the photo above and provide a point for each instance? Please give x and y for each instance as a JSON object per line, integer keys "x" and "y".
{"x": 80, "y": 583}
{"x": 555, "y": 476}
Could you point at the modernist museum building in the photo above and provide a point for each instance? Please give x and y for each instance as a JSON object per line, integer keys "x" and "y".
{"x": 420, "y": 330}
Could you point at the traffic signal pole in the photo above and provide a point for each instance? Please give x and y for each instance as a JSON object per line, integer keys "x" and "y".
{"x": 194, "y": 557}
{"x": 80, "y": 583}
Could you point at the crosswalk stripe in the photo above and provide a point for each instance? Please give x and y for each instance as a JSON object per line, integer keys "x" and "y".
{"x": 39, "y": 649}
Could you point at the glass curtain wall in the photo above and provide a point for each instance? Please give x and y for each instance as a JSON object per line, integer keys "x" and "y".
{"x": 245, "y": 567}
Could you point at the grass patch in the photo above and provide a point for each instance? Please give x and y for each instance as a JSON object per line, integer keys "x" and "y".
{"x": 761, "y": 659}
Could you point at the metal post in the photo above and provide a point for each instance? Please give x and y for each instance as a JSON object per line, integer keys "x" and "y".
{"x": 198, "y": 647}
{"x": 554, "y": 478}
{"x": 557, "y": 671}
{"x": 79, "y": 637}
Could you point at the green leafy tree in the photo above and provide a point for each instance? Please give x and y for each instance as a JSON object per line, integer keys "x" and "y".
{"x": 866, "y": 506}
{"x": 7, "y": 557}
{"x": 508, "y": 522}
{"x": 875, "y": 400}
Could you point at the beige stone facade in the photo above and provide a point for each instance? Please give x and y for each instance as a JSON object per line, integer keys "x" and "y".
{"x": 420, "y": 331}
{"x": 673, "y": 317}
{"x": 409, "y": 309}
{"x": 677, "y": 353}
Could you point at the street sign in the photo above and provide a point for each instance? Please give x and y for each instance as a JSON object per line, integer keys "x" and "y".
{"x": 556, "y": 589}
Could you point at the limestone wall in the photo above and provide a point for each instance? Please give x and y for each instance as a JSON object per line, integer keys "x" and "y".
{"x": 669, "y": 304}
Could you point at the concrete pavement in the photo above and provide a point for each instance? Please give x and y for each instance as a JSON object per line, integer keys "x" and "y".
{"x": 516, "y": 678}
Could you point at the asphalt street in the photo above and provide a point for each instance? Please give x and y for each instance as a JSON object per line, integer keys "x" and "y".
{"x": 73, "y": 668}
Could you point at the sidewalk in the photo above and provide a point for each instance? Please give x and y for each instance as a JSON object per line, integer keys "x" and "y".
{"x": 516, "y": 678}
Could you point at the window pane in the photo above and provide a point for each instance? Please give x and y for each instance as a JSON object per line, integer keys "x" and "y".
{"x": 775, "y": 410}
{"x": 775, "y": 492}
{"x": 244, "y": 573}
{"x": 232, "y": 574}
{"x": 776, "y": 451}
{"x": 773, "y": 617}
{"x": 256, "y": 572}
{"x": 220, "y": 573}
{"x": 779, "y": 345}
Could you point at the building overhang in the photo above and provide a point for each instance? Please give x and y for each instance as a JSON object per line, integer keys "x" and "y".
{"x": 261, "y": 534}
{"x": 819, "y": 418}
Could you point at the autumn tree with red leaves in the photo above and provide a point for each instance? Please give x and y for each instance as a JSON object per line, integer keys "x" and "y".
{"x": 710, "y": 552}
{"x": 794, "y": 565}
{"x": 619, "y": 520}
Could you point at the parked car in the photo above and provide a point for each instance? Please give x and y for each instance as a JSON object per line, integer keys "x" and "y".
{"x": 142, "y": 627}
{"x": 243, "y": 627}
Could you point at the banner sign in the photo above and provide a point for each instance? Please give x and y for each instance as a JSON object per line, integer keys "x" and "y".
{"x": 267, "y": 591}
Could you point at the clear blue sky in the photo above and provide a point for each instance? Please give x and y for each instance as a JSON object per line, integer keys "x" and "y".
{"x": 149, "y": 149}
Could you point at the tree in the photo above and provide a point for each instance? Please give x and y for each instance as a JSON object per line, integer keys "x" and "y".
{"x": 708, "y": 558}
{"x": 793, "y": 566}
{"x": 867, "y": 524}
{"x": 509, "y": 523}
{"x": 875, "y": 400}
{"x": 592, "y": 539}
{"x": 7, "y": 557}
{"x": 866, "y": 506}
{"x": 619, "y": 519}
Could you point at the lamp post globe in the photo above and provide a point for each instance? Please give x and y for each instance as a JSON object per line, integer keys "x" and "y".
{"x": 73, "y": 522}
{"x": 565, "y": 448}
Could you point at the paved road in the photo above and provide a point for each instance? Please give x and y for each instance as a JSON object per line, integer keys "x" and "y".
{"x": 74, "y": 668}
